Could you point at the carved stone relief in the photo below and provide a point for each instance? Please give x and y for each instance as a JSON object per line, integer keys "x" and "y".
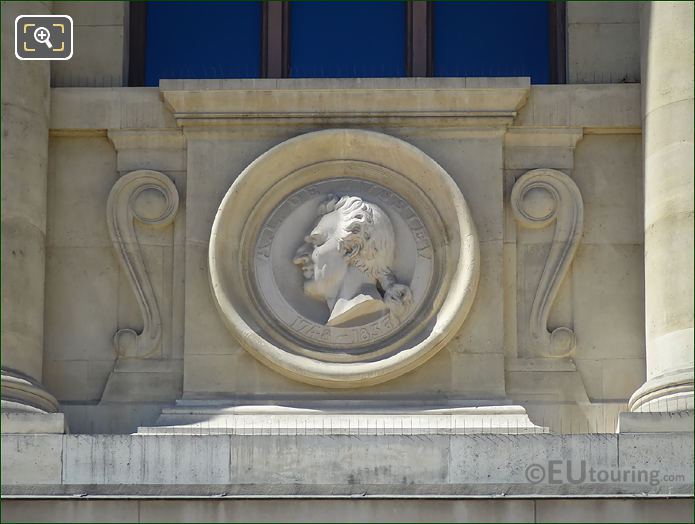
{"x": 347, "y": 262}
{"x": 151, "y": 198}
{"x": 330, "y": 261}
{"x": 358, "y": 273}
{"x": 539, "y": 198}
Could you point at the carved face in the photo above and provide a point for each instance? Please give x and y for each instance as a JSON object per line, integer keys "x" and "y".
{"x": 321, "y": 258}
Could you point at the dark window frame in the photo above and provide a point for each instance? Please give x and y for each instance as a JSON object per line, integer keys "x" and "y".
{"x": 137, "y": 40}
{"x": 275, "y": 43}
{"x": 275, "y": 40}
{"x": 419, "y": 57}
{"x": 557, "y": 19}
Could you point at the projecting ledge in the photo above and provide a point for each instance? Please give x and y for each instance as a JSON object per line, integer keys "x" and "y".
{"x": 480, "y": 101}
{"x": 489, "y": 465}
{"x": 326, "y": 419}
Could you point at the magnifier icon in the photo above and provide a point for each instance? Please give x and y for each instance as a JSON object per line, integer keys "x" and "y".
{"x": 42, "y": 36}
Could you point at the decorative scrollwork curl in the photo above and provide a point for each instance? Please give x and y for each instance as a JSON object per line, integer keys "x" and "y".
{"x": 540, "y": 197}
{"x": 151, "y": 198}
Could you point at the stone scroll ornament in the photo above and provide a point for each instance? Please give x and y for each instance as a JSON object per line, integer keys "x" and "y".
{"x": 150, "y": 198}
{"x": 540, "y": 197}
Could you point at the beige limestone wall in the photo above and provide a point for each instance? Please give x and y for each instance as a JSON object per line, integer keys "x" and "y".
{"x": 608, "y": 275}
{"x": 100, "y": 57}
{"x": 588, "y": 132}
{"x": 82, "y": 274}
{"x": 603, "y": 42}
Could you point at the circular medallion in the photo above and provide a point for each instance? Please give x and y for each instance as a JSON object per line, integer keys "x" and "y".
{"x": 343, "y": 258}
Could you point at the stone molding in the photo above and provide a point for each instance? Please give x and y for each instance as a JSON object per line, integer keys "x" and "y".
{"x": 21, "y": 393}
{"x": 159, "y": 149}
{"x": 481, "y": 101}
{"x": 670, "y": 392}
{"x": 541, "y": 147}
{"x": 329, "y": 418}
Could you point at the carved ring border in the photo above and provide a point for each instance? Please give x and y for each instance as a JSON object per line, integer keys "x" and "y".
{"x": 248, "y": 195}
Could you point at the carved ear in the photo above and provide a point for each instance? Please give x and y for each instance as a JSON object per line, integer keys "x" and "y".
{"x": 350, "y": 249}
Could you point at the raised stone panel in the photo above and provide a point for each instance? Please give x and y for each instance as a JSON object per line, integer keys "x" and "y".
{"x": 33, "y": 459}
{"x": 615, "y": 510}
{"x": 591, "y": 29}
{"x": 479, "y": 334}
{"x": 608, "y": 172}
{"x": 612, "y": 330}
{"x": 80, "y": 269}
{"x": 77, "y": 380}
{"x": 90, "y": 109}
{"x": 87, "y": 279}
{"x": 670, "y": 464}
{"x": 540, "y": 450}
{"x": 113, "y": 460}
{"x": 82, "y": 171}
{"x": 603, "y": 106}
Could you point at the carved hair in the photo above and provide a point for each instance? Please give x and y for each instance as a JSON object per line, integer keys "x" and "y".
{"x": 368, "y": 242}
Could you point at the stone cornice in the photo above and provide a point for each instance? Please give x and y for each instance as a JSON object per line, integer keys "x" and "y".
{"x": 480, "y": 101}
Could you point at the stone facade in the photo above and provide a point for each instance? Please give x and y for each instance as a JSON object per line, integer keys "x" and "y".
{"x": 164, "y": 333}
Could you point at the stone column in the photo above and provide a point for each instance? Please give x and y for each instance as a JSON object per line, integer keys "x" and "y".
{"x": 667, "y": 109}
{"x": 25, "y": 114}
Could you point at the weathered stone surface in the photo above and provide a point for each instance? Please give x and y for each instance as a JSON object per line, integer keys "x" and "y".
{"x": 373, "y": 465}
{"x": 546, "y": 170}
{"x": 482, "y": 162}
{"x": 591, "y": 29}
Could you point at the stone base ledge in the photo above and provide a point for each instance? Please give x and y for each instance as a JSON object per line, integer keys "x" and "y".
{"x": 660, "y": 422}
{"x": 484, "y": 465}
{"x": 348, "y": 510}
{"x": 29, "y": 423}
{"x": 323, "y": 418}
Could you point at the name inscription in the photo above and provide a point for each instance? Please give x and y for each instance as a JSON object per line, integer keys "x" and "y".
{"x": 342, "y": 336}
{"x": 387, "y": 198}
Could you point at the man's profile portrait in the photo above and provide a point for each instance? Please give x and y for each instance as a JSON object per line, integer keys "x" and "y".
{"x": 346, "y": 261}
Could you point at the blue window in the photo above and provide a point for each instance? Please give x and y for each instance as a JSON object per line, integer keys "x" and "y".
{"x": 203, "y": 40}
{"x": 347, "y": 39}
{"x": 303, "y": 39}
{"x": 492, "y": 39}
